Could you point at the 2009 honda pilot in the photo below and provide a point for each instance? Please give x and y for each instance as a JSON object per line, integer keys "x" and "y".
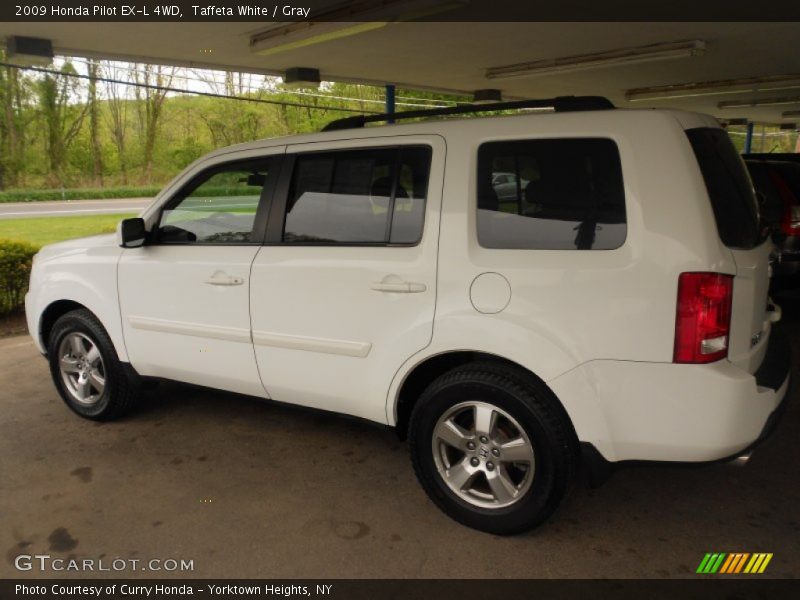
{"x": 513, "y": 293}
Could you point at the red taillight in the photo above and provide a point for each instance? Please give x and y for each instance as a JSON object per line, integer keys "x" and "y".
{"x": 703, "y": 318}
{"x": 790, "y": 224}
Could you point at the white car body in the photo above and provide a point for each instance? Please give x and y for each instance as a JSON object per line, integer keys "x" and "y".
{"x": 307, "y": 326}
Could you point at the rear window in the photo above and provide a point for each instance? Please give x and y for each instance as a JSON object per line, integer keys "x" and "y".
{"x": 551, "y": 194}
{"x": 729, "y": 188}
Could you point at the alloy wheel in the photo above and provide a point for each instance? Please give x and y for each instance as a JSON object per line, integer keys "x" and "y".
{"x": 483, "y": 454}
{"x": 82, "y": 369}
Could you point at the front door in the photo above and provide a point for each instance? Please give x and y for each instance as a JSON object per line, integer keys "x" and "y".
{"x": 344, "y": 291}
{"x": 184, "y": 295}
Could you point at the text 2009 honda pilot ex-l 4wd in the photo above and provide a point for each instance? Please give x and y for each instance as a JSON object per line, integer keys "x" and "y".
{"x": 513, "y": 293}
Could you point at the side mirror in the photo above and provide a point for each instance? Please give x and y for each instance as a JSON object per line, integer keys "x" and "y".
{"x": 132, "y": 233}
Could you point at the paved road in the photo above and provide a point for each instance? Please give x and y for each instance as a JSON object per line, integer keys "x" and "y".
{"x": 63, "y": 208}
{"x": 251, "y": 489}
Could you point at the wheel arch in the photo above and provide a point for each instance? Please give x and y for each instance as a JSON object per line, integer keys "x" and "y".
{"x": 58, "y": 308}
{"x": 51, "y": 314}
{"x": 431, "y": 367}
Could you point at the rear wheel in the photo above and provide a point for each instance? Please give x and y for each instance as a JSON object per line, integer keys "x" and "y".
{"x": 492, "y": 448}
{"x": 86, "y": 370}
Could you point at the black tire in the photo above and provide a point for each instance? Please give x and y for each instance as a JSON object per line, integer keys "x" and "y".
{"x": 535, "y": 409}
{"x": 122, "y": 385}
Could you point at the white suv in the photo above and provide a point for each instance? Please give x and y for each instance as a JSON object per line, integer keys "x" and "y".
{"x": 608, "y": 304}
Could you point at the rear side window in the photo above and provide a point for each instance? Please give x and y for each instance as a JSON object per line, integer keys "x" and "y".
{"x": 374, "y": 196}
{"x": 729, "y": 188}
{"x": 553, "y": 194}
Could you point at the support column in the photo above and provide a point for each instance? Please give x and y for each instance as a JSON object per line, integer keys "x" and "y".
{"x": 748, "y": 140}
{"x": 390, "y": 105}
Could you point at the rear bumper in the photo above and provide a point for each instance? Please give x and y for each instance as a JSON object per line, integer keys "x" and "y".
{"x": 627, "y": 412}
{"x": 599, "y": 469}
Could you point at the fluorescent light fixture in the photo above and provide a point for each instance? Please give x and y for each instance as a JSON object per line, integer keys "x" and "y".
{"x": 486, "y": 96}
{"x": 611, "y": 58}
{"x": 790, "y": 114}
{"x": 755, "y": 102}
{"x": 715, "y": 88}
{"x": 301, "y": 77}
{"x": 300, "y": 35}
{"x": 28, "y": 51}
{"x": 339, "y": 21}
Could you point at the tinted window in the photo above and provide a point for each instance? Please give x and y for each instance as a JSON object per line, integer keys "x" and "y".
{"x": 357, "y": 197}
{"x": 219, "y": 206}
{"x": 729, "y": 188}
{"x": 769, "y": 195}
{"x": 551, "y": 195}
{"x": 409, "y": 201}
{"x": 790, "y": 172}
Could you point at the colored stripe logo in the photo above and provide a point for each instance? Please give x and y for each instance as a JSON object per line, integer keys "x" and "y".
{"x": 734, "y": 563}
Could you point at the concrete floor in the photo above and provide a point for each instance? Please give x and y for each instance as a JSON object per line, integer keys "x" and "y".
{"x": 250, "y": 489}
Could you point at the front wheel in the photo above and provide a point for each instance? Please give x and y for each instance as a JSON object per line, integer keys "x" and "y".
{"x": 85, "y": 368}
{"x": 492, "y": 448}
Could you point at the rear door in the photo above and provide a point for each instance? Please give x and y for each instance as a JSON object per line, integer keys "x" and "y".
{"x": 740, "y": 228}
{"x": 344, "y": 290}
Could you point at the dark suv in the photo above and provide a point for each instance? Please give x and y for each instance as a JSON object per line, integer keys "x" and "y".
{"x": 778, "y": 184}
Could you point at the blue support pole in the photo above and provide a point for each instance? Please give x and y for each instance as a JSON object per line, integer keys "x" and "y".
{"x": 390, "y": 101}
{"x": 748, "y": 140}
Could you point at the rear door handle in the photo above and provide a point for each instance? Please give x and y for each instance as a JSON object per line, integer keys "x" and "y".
{"x": 220, "y": 278}
{"x": 402, "y": 287}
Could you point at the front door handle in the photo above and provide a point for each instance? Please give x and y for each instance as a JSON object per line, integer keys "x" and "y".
{"x": 402, "y": 287}
{"x": 221, "y": 278}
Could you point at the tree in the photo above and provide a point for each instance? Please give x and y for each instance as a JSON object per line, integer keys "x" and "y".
{"x": 94, "y": 125}
{"x": 14, "y": 121}
{"x": 232, "y": 121}
{"x": 89, "y": 132}
{"x": 117, "y": 102}
{"x": 150, "y": 95}
{"x": 62, "y": 116}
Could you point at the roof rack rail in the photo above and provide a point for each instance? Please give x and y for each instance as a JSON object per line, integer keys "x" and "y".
{"x": 559, "y": 104}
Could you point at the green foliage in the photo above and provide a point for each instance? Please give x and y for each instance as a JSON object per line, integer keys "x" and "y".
{"x": 78, "y": 194}
{"x": 46, "y": 125}
{"x": 15, "y": 270}
{"x": 15, "y": 101}
{"x": 766, "y": 138}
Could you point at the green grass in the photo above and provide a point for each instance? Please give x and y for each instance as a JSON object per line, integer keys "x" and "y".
{"x": 46, "y": 230}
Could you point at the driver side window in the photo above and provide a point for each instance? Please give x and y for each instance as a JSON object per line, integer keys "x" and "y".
{"x": 218, "y": 206}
